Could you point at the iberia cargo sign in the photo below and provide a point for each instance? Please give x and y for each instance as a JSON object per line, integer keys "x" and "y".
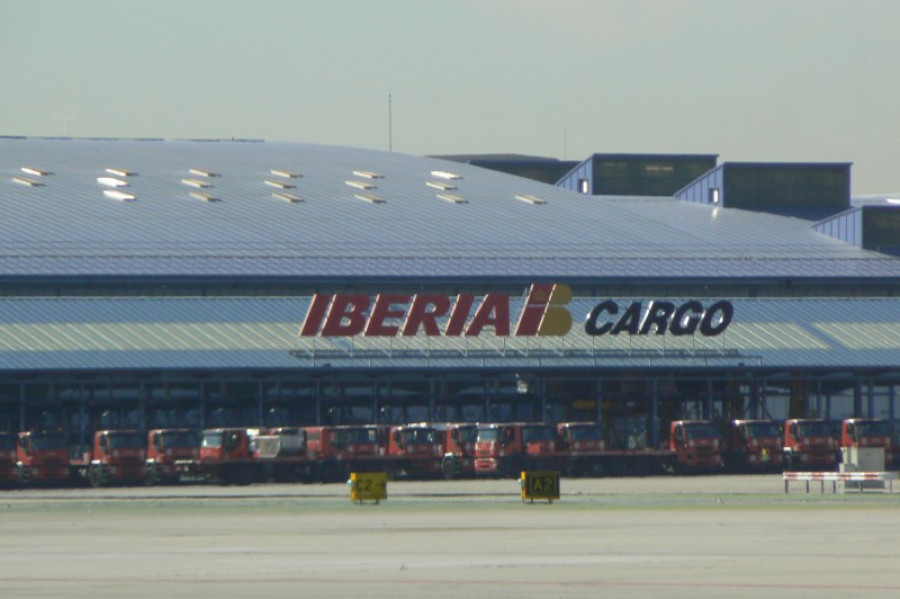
{"x": 544, "y": 313}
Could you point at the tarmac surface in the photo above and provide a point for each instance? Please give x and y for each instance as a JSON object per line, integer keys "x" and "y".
{"x": 707, "y": 536}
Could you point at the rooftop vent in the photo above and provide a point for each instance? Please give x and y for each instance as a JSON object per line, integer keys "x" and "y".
{"x": 115, "y": 194}
{"x": 111, "y": 182}
{"x": 286, "y": 174}
{"x": 445, "y": 175}
{"x": 368, "y": 174}
{"x": 452, "y": 198}
{"x": 279, "y": 184}
{"x": 196, "y": 183}
{"x": 530, "y": 199}
{"x": 202, "y": 172}
{"x": 206, "y": 197}
{"x": 360, "y": 184}
{"x": 37, "y": 172}
{"x": 368, "y": 197}
{"x": 287, "y": 197}
{"x": 440, "y": 185}
{"x": 27, "y": 181}
{"x": 121, "y": 172}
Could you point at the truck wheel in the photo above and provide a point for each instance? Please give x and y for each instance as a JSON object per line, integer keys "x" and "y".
{"x": 449, "y": 468}
{"x": 96, "y": 477}
{"x": 24, "y": 474}
{"x": 151, "y": 476}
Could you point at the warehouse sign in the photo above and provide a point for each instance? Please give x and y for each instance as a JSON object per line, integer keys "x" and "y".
{"x": 543, "y": 313}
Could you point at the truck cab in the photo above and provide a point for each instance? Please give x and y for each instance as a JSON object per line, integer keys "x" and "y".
{"x": 869, "y": 432}
{"x": 335, "y": 451}
{"x": 809, "y": 445}
{"x": 754, "y": 446}
{"x": 416, "y": 449}
{"x": 458, "y": 441}
{"x": 118, "y": 456}
{"x": 166, "y": 448}
{"x": 581, "y": 436}
{"x": 42, "y": 457}
{"x": 695, "y": 446}
{"x": 221, "y": 444}
{"x": 506, "y": 449}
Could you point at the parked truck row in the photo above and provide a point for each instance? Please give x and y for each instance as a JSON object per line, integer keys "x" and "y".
{"x": 427, "y": 450}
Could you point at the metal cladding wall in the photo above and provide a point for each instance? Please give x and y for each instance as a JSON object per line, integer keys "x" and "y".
{"x": 700, "y": 191}
{"x": 636, "y": 174}
{"x": 846, "y": 226}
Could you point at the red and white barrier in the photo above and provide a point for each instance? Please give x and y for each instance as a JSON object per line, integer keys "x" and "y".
{"x": 835, "y": 477}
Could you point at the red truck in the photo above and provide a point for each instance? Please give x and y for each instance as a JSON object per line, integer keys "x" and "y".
{"x": 869, "y": 432}
{"x": 8, "y": 458}
{"x": 118, "y": 457}
{"x": 458, "y": 440}
{"x": 809, "y": 445}
{"x": 506, "y": 449}
{"x": 414, "y": 451}
{"x": 43, "y": 458}
{"x": 335, "y": 451}
{"x": 695, "y": 446}
{"x": 753, "y": 446}
{"x": 168, "y": 450}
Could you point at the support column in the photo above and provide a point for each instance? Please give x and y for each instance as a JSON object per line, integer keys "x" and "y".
{"x": 653, "y": 439}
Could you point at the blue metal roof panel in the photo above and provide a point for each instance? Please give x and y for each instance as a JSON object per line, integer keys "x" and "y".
{"x": 67, "y": 226}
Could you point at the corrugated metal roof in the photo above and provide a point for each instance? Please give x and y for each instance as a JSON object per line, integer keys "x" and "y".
{"x": 67, "y": 333}
{"x": 67, "y": 226}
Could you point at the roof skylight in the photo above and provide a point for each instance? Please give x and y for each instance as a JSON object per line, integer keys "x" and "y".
{"x": 27, "y": 181}
{"x": 360, "y": 184}
{"x": 445, "y": 175}
{"x": 287, "y": 197}
{"x": 530, "y": 199}
{"x": 286, "y": 174}
{"x": 202, "y": 172}
{"x": 279, "y": 184}
{"x": 37, "y": 172}
{"x": 452, "y": 198}
{"x": 440, "y": 185}
{"x": 111, "y": 182}
{"x": 206, "y": 197}
{"x": 196, "y": 183}
{"x": 115, "y": 194}
{"x": 368, "y": 197}
{"x": 368, "y": 174}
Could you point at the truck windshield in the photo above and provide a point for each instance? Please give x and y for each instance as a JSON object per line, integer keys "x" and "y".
{"x": 179, "y": 439}
{"x": 586, "y": 433}
{"x": 531, "y": 434}
{"x": 818, "y": 428}
{"x": 212, "y": 440}
{"x": 414, "y": 436}
{"x": 488, "y": 434}
{"x": 358, "y": 436}
{"x": 468, "y": 434}
{"x": 7, "y": 442}
{"x": 762, "y": 430}
{"x": 874, "y": 428}
{"x": 699, "y": 431}
{"x": 125, "y": 441}
{"x": 48, "y": 442}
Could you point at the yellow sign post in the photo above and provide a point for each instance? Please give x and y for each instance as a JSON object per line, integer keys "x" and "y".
{"x": 540, "y": 485}
{"x": 368, "y": 486}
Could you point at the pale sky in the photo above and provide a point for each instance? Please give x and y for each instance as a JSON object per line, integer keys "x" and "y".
{"x": 750, "y": 80}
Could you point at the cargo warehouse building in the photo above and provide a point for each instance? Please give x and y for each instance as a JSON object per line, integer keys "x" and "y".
{"x": 202, "y": 283}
